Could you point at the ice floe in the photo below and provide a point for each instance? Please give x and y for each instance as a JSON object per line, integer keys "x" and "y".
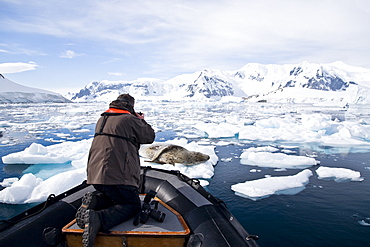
{"x": 58, "y": 153}
{"x": 338, "y": 174}
{"x": 265, "y": 187}
{"x": 285, "y": 129}
{"x": 276, "y": 160}
{"x": 29, "y": 188}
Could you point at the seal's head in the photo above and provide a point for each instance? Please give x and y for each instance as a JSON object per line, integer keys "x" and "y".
{"x": 197, "y": 158}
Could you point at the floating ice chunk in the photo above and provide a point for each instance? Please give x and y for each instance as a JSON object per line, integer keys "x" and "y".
{"x": 28, "y": 189}
{"x": 343, "y": 139}
{"x": 261, "y": 149}
{"x": 58, "y": 153}
{"x": 276, "y": 160}
{"x": 223, "y": 143}
{"x": 73, "y": 125}
{"x": 316, "y": 128}
{"x": 355, "y": 130}
{"x": 53, "y": 140}
{"x": 80, "y": 163}
{"x": 272, "y": 122}
{"x": 181, "y": 142}
{"x": 35, "y": 148}
{"x": 31, "y": 189}
{"x": 365, "y": 222}
{"x": 19, "y": 191}
{"x": 203, "y": 182}
{"x": 254, "y": 170}
{"x": 190, "y": 135}
{"x": 221, "y": 130}
{"x": 34, "y": 154}
{"x": 62, "y": 135}
{"x": 227, "y": 159}
{"x": 316, "y": 122}
{"x": 288, "y": 151}
{"x": 204, "y": 170}
{"x": 291, "y": 133}
{"x": 81, "y": 130}
{"x": 280, "y": 170}
{"x": 265, "y": 187}
{"x": 7, "y": 182}
{"x": 288, "y": 147}
{"x": 56, "y": 185}
{"x": 338, "y": 174}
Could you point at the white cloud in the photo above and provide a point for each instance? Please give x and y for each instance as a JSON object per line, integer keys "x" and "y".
{"x": 8, "y": 68}
{"x": 174, "y": 36}
{"x": 70, "y": 54}
{"x": 239, "y": 22}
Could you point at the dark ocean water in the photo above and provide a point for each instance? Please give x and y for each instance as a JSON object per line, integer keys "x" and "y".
{"x": 326, "y": 213}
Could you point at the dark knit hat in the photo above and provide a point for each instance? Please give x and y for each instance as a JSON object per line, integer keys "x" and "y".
{"x": 127, "y": 98}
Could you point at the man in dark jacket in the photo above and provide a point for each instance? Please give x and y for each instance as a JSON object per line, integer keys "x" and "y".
{"x": 114, "y": 168}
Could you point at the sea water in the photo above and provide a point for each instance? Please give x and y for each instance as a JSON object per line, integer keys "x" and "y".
{"x": 325, "y": 213}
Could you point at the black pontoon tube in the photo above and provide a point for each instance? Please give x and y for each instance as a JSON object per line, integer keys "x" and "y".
{"x": 210, "y": 222}
{"x": 205, "y": 214}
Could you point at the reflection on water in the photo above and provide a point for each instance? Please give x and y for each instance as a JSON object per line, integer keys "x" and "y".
{"x": 15, "y": 169}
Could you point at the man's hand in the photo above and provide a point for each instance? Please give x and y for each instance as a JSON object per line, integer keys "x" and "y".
{"x": 140, "y": 115}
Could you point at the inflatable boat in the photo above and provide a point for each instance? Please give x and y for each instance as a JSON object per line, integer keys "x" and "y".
{"x": 187, "y": 215}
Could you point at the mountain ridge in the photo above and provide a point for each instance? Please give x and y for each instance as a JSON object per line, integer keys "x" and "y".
{"x": 252, "y": 82}
{"x": 11, "y": 92}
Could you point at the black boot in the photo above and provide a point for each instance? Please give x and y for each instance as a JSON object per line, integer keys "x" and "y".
{"x": 92, "y": 228}
{"x": 89, "y": 201}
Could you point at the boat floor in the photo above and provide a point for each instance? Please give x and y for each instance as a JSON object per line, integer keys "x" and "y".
{"x": 171, "y": 232}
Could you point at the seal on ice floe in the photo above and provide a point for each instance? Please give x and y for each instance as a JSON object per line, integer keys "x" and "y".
{"x": 164, "y": 153}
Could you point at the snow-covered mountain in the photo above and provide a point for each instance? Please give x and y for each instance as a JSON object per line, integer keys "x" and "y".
{"x": 11, "y": 92}
{"x": 304, "y": 82}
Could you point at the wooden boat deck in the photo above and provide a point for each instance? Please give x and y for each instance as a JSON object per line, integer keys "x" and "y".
{"x": 173, "y": 231}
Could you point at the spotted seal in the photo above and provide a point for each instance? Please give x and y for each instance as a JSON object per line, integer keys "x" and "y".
{"x": 164, "y": 153}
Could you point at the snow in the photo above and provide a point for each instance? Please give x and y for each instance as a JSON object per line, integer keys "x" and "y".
{"x": 275, "y": 132}
{"x": 335, "y": 83}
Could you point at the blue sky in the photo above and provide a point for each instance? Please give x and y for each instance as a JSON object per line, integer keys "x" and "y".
{"x": 63, "y": 45}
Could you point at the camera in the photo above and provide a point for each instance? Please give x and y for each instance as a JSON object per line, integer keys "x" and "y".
{"x": 147, "y": 211}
